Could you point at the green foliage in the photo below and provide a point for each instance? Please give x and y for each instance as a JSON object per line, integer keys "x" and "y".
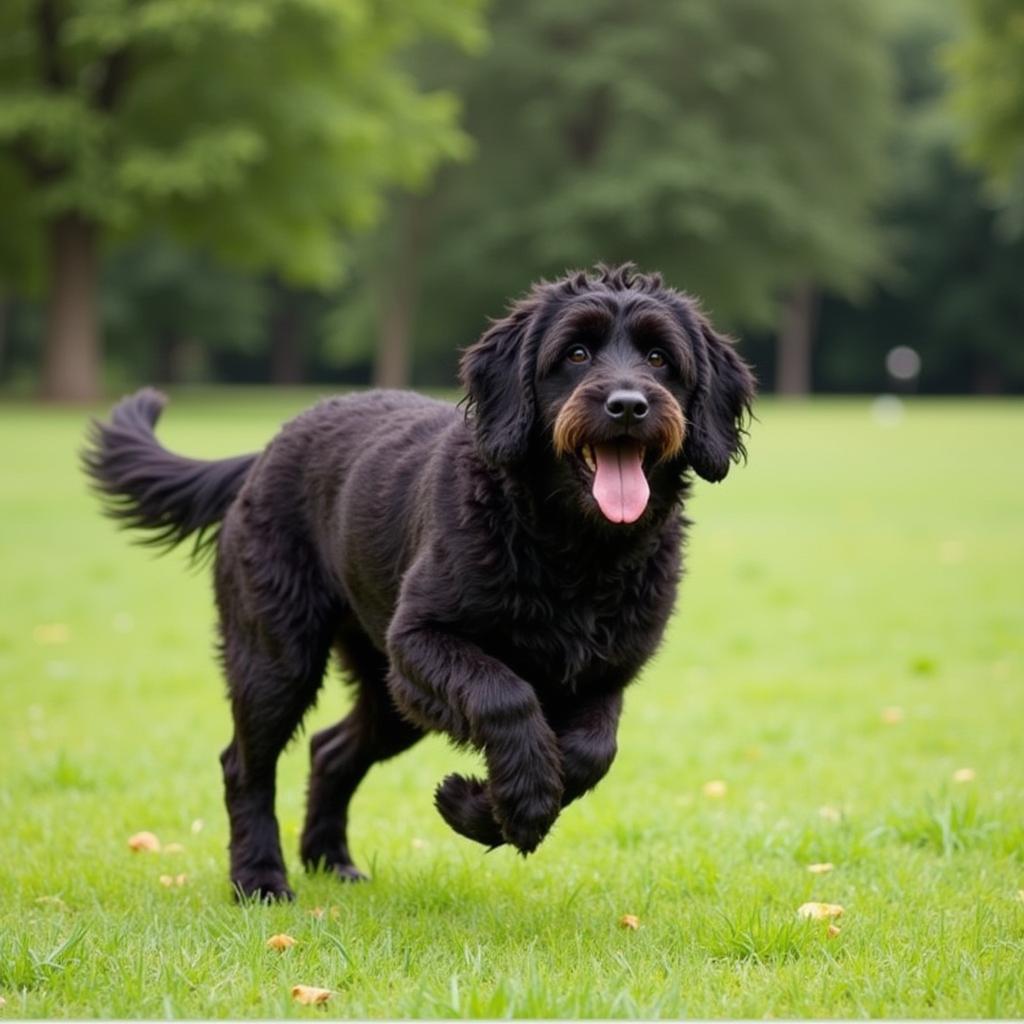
{"x": 262, "y": 129}
{"x": 989, "y": 67}
{"x": 819, "y": 586}
{"x": 737, "y": 146}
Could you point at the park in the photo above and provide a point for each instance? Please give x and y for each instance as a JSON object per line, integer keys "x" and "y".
{"x": 816, "y": 809}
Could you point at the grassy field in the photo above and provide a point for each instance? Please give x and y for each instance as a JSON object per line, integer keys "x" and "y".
{"x": 849, "y": 640}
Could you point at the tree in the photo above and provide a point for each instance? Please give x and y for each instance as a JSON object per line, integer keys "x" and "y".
{"x": 736, "y": 145}
{"x": 988, "y": 63}
{"x": 262, "y": 129}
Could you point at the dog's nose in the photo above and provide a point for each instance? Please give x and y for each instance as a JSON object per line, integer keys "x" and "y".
{"x": 626, "y": 406}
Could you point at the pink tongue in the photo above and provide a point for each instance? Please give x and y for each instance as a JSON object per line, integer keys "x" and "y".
{"x": 620, "y": 486}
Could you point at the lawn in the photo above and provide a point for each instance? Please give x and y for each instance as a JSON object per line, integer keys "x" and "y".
{"x": 849, "y": 643}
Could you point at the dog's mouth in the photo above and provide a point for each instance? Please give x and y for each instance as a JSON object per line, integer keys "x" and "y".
{"x": 617, "y": 479}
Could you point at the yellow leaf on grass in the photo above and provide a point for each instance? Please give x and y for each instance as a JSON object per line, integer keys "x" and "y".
{"x": 963, "y": 775}
{"x": 50, "y": 634}
{"x": 820, "y": 911}
{"x": 143, "y": 842}
{"x": 715, "y": 789}
{"x": 280, "y": 942}
{"x": 820, "y": 869}
{"x": 630, "y": 921}
{"x": 833, "y": 930}
{"x": 310, "y": 996}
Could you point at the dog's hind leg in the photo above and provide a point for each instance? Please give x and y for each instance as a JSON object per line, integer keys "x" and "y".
{"x": 341, "y": 755}
{"x": 276, "y": 637}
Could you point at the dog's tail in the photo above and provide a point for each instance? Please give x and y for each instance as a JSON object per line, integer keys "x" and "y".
{"x": 147, "y": 487}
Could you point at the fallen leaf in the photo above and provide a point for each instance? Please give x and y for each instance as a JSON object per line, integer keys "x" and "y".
{"x": 820, "y": 911}
{"x": 715, "y": 789}
{"x": 51, "y": 634}
{"x": 630, "y": 921}
{"x": 144, "y": 842}
{"x": 280, "y": 942}
{"x": 180, "y": 879}
{"x": 820, "y": 869}
{"x": 892, "y": 715}
{"x": 833, "y": 930}
{"x": 963, "y": 775}
{"x": 310, "y": 996}
{"x": 52, "y": 901}
{"x": 832, "y": 814}
{"x": 174, "y": 848}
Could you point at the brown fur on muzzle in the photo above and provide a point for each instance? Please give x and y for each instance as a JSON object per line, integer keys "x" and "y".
{"x": 664, "y": 430}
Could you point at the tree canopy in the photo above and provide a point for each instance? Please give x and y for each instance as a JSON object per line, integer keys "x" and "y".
{"x": 263, "y": 130}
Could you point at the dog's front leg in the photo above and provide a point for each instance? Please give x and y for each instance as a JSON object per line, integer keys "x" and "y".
{"x": 442, "y": 682}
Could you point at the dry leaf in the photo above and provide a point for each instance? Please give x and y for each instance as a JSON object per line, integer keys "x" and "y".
{"x": 715, "y": 789}
{"x": 963, "y": 775}
{"x": 830, "y": 813}
{"x": 174, "y": 848}
{"x": 280, "y": 942}
{"x": 310, "y": 996}
{"x": 892, "y": 715}
{"x": 820, "y": 869}
{"x": 197, "y": 826}
{"x": 820, "y": 911}
{"x": 630, "y": 921}
{"x": 51, "y": 634}
{"x": 144, "y": 842}
{"x": 833, "y": 930}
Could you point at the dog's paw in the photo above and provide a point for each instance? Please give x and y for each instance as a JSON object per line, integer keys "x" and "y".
{"x": 466, "y": 805}
{"x": 268, "y": 887}
{"x": 528, "y": 819}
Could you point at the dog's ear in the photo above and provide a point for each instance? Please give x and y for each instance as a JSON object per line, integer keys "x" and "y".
{"x": 720, "y": 407}
{"x": 497, "y": 374}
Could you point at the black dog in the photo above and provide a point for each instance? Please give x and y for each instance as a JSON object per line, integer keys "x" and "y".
{"x": 498, "y": 575}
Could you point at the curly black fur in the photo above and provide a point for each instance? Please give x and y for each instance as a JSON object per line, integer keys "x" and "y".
{"x": 456, "y": 562}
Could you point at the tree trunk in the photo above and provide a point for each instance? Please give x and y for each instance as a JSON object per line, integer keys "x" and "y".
{"x": 287, "y": 351}
{"x": 5, "y": 307}
{"x": 795, "y": 341}
{"x": 397, "y": 296}
{"x": 71, "y": 342}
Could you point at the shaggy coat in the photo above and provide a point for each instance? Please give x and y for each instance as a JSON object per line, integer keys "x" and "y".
{"x": 498, "y": 574}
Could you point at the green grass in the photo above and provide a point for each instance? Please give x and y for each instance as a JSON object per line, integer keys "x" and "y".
{"x": 849, "y": 568}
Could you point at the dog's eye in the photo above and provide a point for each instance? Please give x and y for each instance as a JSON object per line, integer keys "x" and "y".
{"x": 656, "y": 358}
{"x": 577, "y": 354}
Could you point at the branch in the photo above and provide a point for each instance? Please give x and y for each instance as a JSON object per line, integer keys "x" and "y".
{"x": 115, "y": 74}
{"x": 48, "y": 31}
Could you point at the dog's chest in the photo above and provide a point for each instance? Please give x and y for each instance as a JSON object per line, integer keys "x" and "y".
{"x": 570, "y": 628}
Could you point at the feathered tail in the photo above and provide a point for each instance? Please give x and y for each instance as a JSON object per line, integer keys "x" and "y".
{"x": 147, "y": 487}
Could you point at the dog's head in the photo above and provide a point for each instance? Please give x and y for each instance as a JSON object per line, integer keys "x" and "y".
{"x": 616, "y": 377}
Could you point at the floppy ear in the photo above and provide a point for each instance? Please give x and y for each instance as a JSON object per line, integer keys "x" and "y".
{"x": 498, "y": 376}
{"x": 720, "y": 407}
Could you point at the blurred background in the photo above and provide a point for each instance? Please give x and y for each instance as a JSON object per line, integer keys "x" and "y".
{"x": 341, "y": 192}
